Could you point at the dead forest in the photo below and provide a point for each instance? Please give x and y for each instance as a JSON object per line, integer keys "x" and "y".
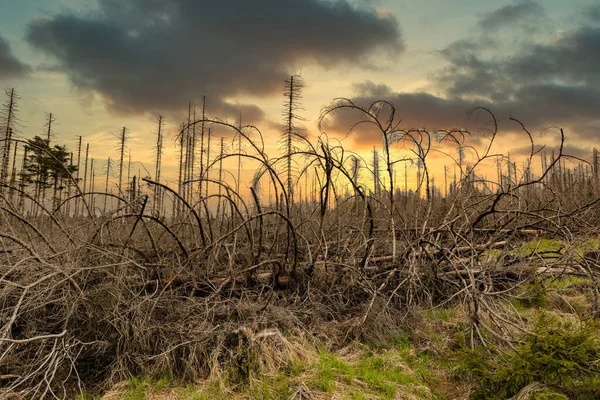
{"x": 106, "y": 274}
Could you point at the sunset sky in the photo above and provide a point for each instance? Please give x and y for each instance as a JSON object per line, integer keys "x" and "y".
{"x": 101, "y": 65}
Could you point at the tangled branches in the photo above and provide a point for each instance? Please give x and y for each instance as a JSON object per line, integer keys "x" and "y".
{"x": 138, "y": 292}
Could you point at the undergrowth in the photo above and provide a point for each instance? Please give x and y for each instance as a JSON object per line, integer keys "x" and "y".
{"x": 559, "y": 356}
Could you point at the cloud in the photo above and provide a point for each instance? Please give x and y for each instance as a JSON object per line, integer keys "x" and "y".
{"x": 547, "y": 82}
{"x": 554, "y": 81}
{"x": 412, "y": 110}
{"x": 10, "y": 66}
{"x": 592, "y": 12}
{"x": 573, "y": 58}
{"x": 151, "y": 55}
{"x": 524, "y": 11}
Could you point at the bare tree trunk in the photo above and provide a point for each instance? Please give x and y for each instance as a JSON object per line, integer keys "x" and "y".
{"x": 176, "y": 205}
{"x": 193, "y": 151}
{"x": 13, "y": 176}
{"x": 129, "y": 193}
{"x": 207, "y": 160}
{"x": 9, "y": 110}
{"x": 220, "y": 177}
{"x": 84, "y": 186}
{"x": 68, "y": 188}
{"x": 92, "y": 183}
{"x": 122, "y": 154}
{"x": 108, "y": 165}
{"x": 187, "y": 156}
{"x": 239, "y": 150}
{"x": 157, "y": 188}
{"x": 22, "y": 183}
{"x": 293, "y": 92}
{"x": 202, "y": 146}
{"x": 77, "y": 175}
{"x": 376, "y": 187}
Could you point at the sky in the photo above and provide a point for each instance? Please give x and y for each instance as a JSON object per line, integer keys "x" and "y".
{"x": 101, "y": 65}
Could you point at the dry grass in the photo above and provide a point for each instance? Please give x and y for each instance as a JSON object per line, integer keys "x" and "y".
{"x": 235, "y": 298}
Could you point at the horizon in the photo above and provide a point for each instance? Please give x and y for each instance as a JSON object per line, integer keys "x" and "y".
{"x": 98, "y": 68}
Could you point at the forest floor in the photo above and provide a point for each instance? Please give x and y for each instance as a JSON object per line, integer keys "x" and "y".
{"x": 428, "y": 360}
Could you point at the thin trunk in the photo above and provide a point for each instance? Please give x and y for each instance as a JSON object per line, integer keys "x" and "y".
{"x": 181, "y": 167}
{"x": 77, "y": 175}
{"x": 129, "y": 193}
{"x": 239, "y": 150}
{"x": 106, "y": 184}
{"x": 405, "y": 178}
{"x": 92, "y": 180}
{"x": 68, "y": 195}
{"x": 445, "y": 181}
{"x": 157, "y": 189}
{"x": 84, "y": 186}
{"x": 288, "y": 150}
{"x": 207, "y": 160}
{"x": 220, "y": 177}
{"x": 10, "y": 109}
{"x": 187, "y": 156}
{"x": 122, "y": 155}
{"x": 194, "y": 142}
{"x": 376, "y": 187}
{"x": 49, "y": 131}
{"x": 202, "y": 146}
{"x": 13, "y": 176}
{"x": 22, "y": 183}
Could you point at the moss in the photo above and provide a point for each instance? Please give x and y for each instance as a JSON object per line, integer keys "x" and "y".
{"x": 543, "y": 246}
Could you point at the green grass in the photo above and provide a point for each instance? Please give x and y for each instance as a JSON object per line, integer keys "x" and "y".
{"x": 384, "y": 373}
{"x": 382, "y": 370}
{"x": 84, "y": 396}
{"x": 141, "y": 388}
{"x": 441, "y": 314}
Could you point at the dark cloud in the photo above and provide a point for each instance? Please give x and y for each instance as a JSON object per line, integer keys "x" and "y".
{"x": 469, "y": 74}
{"x": 147, "y": 55}
{"x": 228, "y": 112}
{"x": 555, "y": 82}
{"x": 524, "y": 11}
{"x": 412, "y": 110}
{"x": 573, "y": 58}
{"x": 583, "y": 152}
{"x": 537, "y": 106}
{"x": 592, "y": 12}
{"x": 370, "y": 89}
{"x": 10, "y": 66}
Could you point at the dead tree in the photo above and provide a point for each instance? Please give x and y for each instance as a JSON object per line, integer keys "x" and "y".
{"x": 355, "y": 170}
{"x": 188, "y": 155}
{"x": 10, "y": 110}
{"x": 92, "y": 180}
{"x": 180, "y": 192}
{"x": 239, "y": 150}
{"x": 159, "y": 146}
{"x": 376, "y": 180}
{"x": 202, "y": 145}
{"x": 77, "y": 174}
{"x": 293, "y": 93}
{"x": 108, "y": 166}
{"x": 121, "y": 155}
{"x": 22, "y": 183}
{"x": 207, "y": 160}
{"x": 87, "y": 152}
{"x": 221, "y": 152}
